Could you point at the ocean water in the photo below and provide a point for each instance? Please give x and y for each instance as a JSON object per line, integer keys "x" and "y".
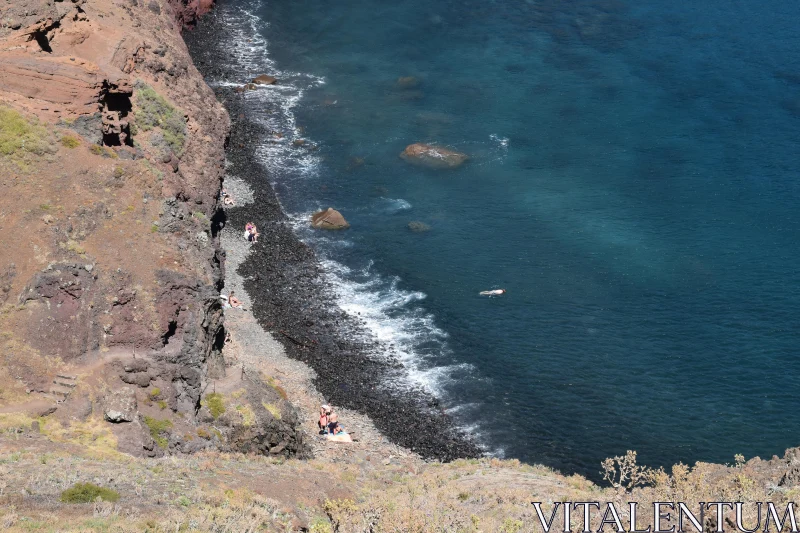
{"x": 633, "y": 183}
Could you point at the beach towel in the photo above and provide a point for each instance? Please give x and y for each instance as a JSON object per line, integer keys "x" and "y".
{"x": 341, "y": 437}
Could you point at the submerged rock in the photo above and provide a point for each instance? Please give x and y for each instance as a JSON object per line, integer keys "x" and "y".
{"x": 433, "y": 156}
{"x": 329, "y": 219}
{"x": 418, "y": 227}
{"x": 407, "y": 82}
{"x": 263, "y": 79}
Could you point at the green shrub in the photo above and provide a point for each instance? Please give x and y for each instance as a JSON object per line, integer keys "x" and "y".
{"x": 273, "y": 409}
{"x": 248, "y": 416}
{"x": 320, "y": 525}
{"x": 155, "y": 392}
{"x": 70, "y": 141}
{"x": 215, "y": 404}
{"x": 105, "y": 151}
{"x": 154, "y": 111}
{"x": 159, "y": 430}
{"x": 22, "y": 139}
{"x": 87, "y": 493}
{"x": 17, "y": 134}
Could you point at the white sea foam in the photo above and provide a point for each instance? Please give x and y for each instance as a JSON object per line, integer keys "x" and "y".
{"x": 393, "y": 205}
{"x": 392, "y": 316}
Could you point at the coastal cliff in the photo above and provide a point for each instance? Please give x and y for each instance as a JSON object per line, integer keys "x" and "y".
{"x": 112, "y": 159}
{"x": 123, "y": 407}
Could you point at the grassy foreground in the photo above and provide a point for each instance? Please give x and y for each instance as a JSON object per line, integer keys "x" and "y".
{"x": 43, "y": 487}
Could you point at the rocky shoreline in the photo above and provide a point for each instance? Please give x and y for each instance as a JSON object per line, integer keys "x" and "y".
{"x": 285, "y": 284}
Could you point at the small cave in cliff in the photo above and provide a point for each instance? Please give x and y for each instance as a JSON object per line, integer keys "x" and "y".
{"x": 218, "y": 221}
{"x": 172, "y": 328}
{"x": 219, "y": 340}
{"x": 116, "y": 126}
{"x": 118, "y": 102}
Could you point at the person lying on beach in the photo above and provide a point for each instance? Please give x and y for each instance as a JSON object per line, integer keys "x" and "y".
{"x": 234, "y": 301}
{"x": 228, "y": 200}
{"x": 494, "y": 292}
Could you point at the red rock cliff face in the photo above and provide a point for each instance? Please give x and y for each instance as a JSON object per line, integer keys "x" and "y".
{"x": 119, "y": 256}
{"x": 188, "y": 11}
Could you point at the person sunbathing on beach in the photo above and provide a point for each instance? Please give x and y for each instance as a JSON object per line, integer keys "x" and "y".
{"x": 333, "y": 425}
{"x": 493, "y": 292}
{"x": 234, "y": 301}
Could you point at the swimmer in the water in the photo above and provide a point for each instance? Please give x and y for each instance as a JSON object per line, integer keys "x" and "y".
{"x": 495, "y": 292}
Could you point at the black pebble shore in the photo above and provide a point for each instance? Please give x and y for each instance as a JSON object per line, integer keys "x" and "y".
{"x": 291, "y": 300}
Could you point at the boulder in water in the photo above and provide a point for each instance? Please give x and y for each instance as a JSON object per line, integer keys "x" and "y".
{"x": 328, "y": 219}
{"x": 263, "y": 79}
{"x": 432, "y": 156}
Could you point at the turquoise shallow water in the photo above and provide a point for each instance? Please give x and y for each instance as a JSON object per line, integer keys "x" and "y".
{"x": 633, "y": 184}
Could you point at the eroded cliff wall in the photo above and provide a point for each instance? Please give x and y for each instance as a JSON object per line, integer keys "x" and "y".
{"x": 112, "y": 156}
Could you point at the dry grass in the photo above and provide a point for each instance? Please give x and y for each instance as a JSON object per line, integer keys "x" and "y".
{"x": 22, "y": 140}
{"x": 226, "y": 492}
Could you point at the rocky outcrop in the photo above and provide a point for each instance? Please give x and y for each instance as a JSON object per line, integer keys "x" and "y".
{"x": 187, "y": 12}
{"x": 77, "y": 87}
{"x": 258, "y": 420}
{"x": 432, "y": 156}
{"x": 126, "y": 262}
{"x": 329, "y": 219}
{"x": 120, "y": 406}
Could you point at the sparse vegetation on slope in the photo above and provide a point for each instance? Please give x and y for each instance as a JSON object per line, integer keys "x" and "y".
{"x": 154, "y": 111}
{"x": 232, "y": 492}
{"x": 87, "y": 493}
{"x": 215, "y": 403}
{"x": 22, "y": 139}
{"x": 159, "y": 430}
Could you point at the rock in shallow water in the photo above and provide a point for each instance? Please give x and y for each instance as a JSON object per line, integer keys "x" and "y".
{"x": 407, "y": 82}
{"x": 418, "y": 227}
{"x": 328, "y": 219}
{"x": 263, "y": 79}
{"x": 432, "y": 156}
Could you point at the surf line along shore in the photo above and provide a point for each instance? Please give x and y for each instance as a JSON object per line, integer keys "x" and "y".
{"x": 287, "y": 292}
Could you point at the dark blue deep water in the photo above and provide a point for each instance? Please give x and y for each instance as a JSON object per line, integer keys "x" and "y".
{"x": 633, "y": 184}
